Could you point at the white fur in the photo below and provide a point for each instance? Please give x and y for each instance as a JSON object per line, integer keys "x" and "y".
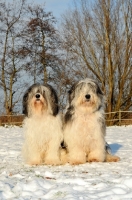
{"x": 85, "y": 139}
{"x": 43, "y": 126}
{"x": 43, "y": 136}
{"x": 84, "y": 134}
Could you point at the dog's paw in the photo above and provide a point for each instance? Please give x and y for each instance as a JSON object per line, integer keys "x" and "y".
{"x": 34, "y": 162}
{"x": 96, "y": 156}
{"x": 52, "y": 162}
{"x": 95, "y": 160}
{"x": 76, "y": 162}
{"x": 112, "y": 158}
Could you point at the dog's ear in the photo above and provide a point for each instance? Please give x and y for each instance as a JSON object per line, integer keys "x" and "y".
{"x": 26, "y": 96}
{"x": 25, "y": 102}
{"x": 53, "y": 100}
{"x": 99, "y": 91}
{"x": 71, "y": 92}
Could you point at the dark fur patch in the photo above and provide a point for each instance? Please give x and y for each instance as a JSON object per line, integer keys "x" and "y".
{"x": 63, "y": 145}
{"x": 53, "y": 100}
{"x": 25, "y": 99}
{"x": 69, "y": 114}
{"x": 107, "y": 148}
{"x": 71, "y": 92}
{"x": 99, "y": 91}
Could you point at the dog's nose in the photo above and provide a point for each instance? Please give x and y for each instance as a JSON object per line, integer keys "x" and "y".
{"x": 37, "y": 96}
{"x": 87, "y": 96}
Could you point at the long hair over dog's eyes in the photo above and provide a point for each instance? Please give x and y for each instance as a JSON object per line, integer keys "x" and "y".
{"x": 43, "y": 92}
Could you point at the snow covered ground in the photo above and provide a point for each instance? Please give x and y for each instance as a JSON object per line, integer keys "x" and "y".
{"x": 107, "y": 181}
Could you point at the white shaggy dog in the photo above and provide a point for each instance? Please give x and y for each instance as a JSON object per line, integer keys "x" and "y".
{"x": 84, "y": 125}
{"x": 43, "y": 126}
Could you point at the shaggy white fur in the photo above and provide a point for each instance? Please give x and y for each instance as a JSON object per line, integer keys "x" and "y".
{"x": 43, "y": 136}
{"x": 84, "y": 139}
{"x": 84, "y": 128}
{"x": 43, "y": 126}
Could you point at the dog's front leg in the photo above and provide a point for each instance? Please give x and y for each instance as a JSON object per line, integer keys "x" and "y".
{"x": 31, "y": 155}
{"x": 52, "y": 156}
{"x": 76, "y": 156}
{"x": 97, "y": 151}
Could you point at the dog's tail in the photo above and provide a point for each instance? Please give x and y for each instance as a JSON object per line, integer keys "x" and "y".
{"x": 109, "y": 156}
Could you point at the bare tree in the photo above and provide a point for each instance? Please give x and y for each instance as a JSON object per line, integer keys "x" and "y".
{"x": 42, "y": 41}
{"x": 10, "y": 15}
{"x": 29, "y": 43}
{"x": 97, "y": 40}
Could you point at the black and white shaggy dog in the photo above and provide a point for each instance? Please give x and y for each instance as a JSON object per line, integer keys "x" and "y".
{"x": 84, "y": 125}
{"x": 43, "y": 126}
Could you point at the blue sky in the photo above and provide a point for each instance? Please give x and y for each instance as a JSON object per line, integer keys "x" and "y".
{"x": 57, "y": 7}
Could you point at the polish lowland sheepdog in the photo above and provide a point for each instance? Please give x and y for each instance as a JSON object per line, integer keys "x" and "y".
{"x": 43, "y": 126}
{"x": 84, "y": 125}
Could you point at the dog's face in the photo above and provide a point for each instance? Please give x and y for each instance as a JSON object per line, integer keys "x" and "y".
{"x": 39, "y": 99}
{"x": 86, "y": 94}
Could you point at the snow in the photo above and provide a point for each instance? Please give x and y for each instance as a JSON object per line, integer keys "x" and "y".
{"x": 111, "y": 181}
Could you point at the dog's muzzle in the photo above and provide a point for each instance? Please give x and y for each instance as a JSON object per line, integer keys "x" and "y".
{"x": 87, "y": 97}
{"x": 37, "y": 97}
